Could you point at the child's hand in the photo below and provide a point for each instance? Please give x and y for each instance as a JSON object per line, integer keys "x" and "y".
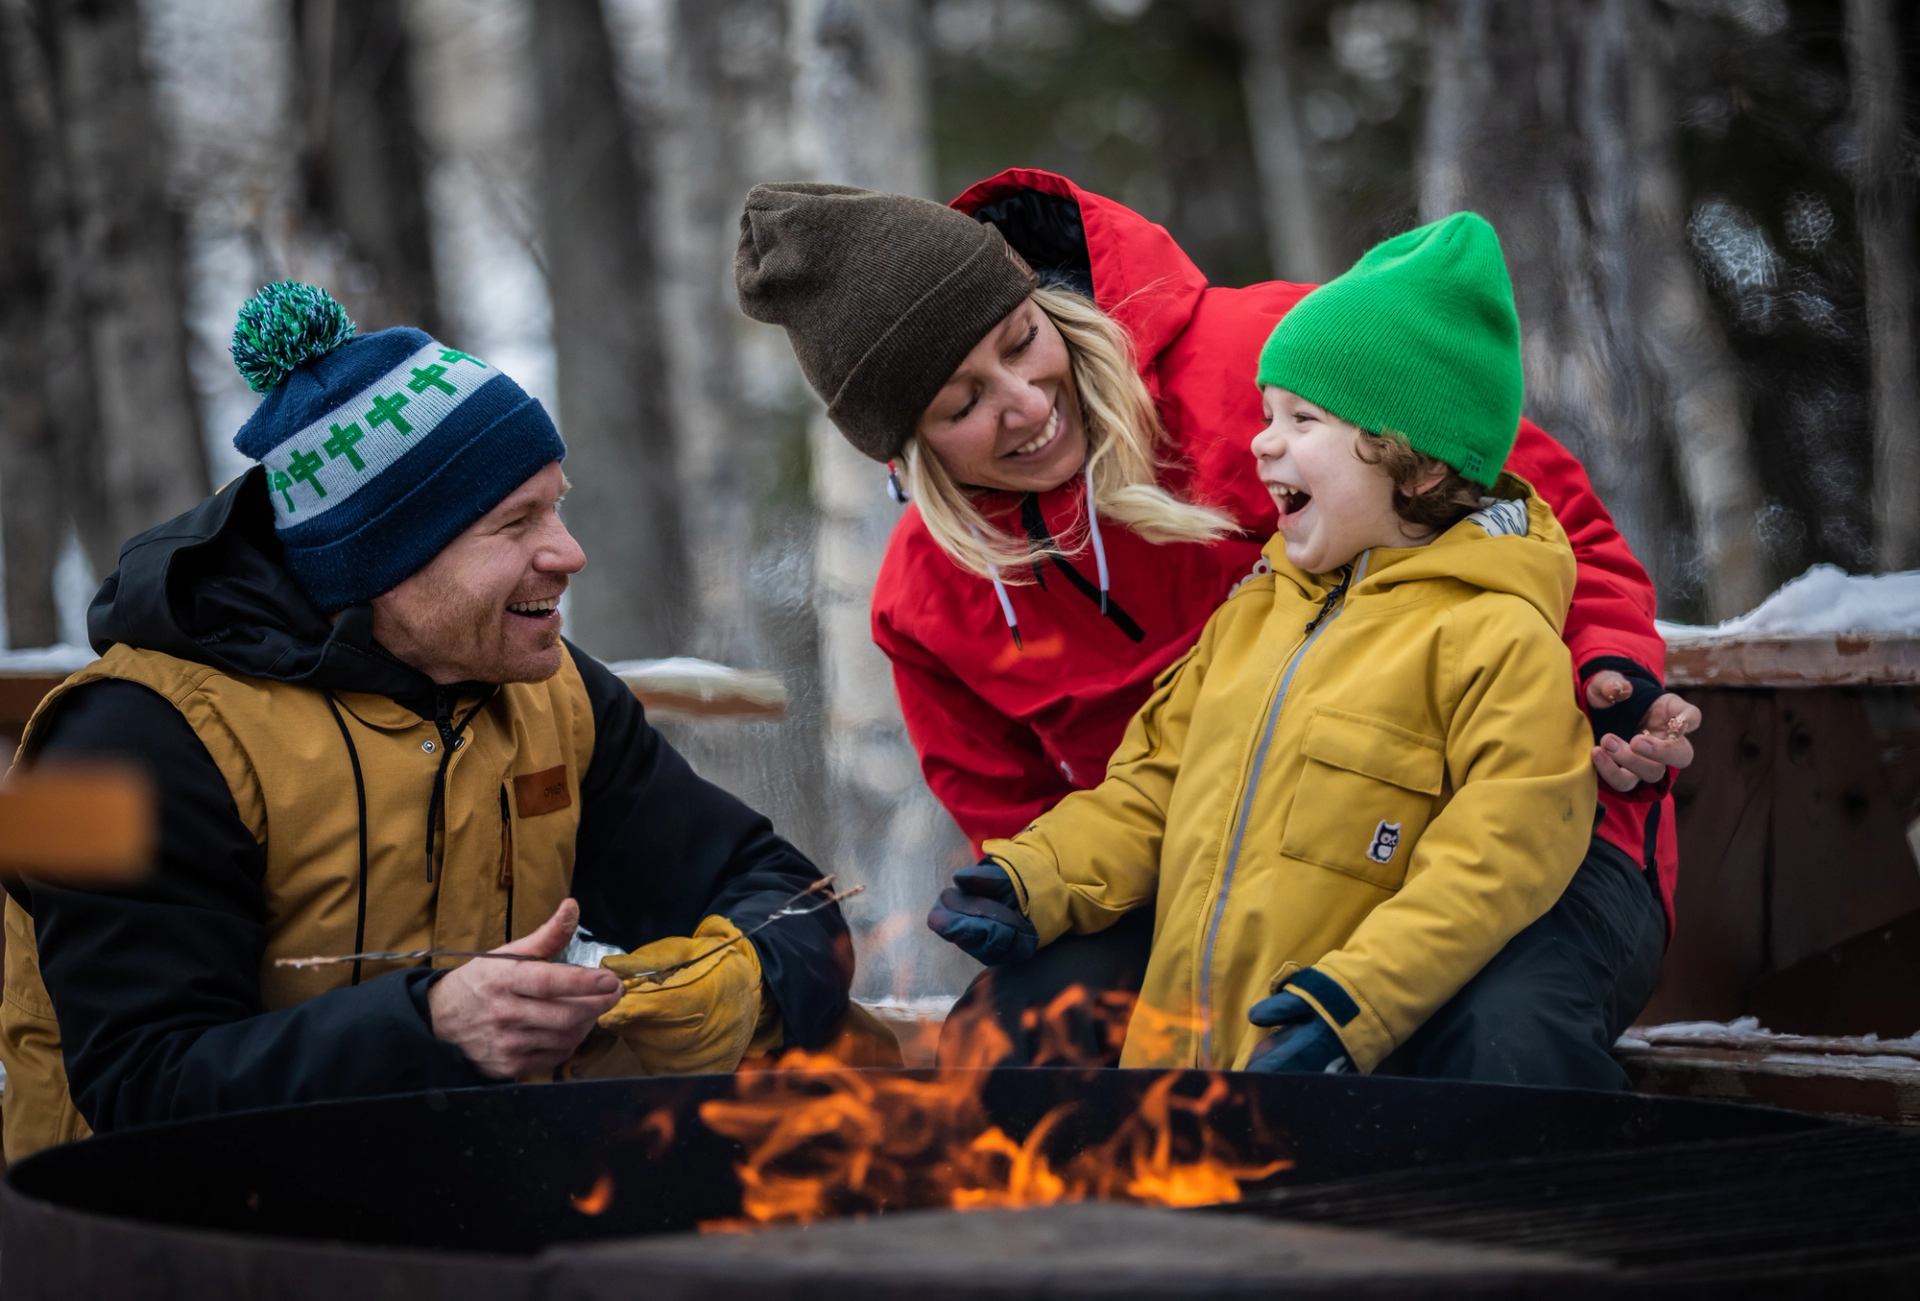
{"x": 980, "y": 914}
{"x": 1301, "y": 1041}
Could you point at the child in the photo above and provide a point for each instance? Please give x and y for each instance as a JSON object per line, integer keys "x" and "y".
{"x": 1368, "y": 774}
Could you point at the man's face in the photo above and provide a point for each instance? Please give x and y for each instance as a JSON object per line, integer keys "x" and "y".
{"x": 486, "y": 609}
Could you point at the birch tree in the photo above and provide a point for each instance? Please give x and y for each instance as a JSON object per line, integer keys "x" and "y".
{"x": 1884, "y": 194}
{"x": 741, "y": 404}
{"x": 596, "y": 219}
{"x": 862, "y": 114}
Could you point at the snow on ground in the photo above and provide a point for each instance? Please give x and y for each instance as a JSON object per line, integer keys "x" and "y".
{"x": 1823, "y": 601}
{"x": 1746, "y": 1034}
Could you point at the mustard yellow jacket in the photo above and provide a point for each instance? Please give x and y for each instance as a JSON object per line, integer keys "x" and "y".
{"x": 1359, "y": 786}
{"x": 316, "y": 796}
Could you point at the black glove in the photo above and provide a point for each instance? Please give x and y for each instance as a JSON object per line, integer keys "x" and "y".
{"x": 980, "y": 914}
{"x": 1622, "y": 718}
{"x": 1301, "y": 1041}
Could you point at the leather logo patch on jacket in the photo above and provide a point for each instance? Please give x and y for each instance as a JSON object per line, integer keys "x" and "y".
{"x": 535, "y": 793}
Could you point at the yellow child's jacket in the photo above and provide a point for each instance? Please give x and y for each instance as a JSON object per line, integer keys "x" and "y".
{"x": 1360, "y": 793}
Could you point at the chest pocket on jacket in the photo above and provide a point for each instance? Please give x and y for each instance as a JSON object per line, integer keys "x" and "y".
{"x": 1365, "y": 795}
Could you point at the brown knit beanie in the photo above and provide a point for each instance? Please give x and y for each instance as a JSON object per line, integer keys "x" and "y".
{"x": 882, "y": 296}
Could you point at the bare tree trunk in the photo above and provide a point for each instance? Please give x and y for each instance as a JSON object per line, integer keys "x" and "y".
{"x": 126, "y": 262}
{"x": 1515, "y": 85}
{"x": 1456, "y": 98}
{"x": 863, "y": 115}
{"x": 1296, "y": 241}
{"x": 595, "y": 204}
{"x": 1685, "y": 344}
{"x": 32, "y": 513}
{"x": 729, "y": 57}
{"x": 361, "y": 171}
{"x": 1886, "y": 206}
{"x": 744, "y": 457}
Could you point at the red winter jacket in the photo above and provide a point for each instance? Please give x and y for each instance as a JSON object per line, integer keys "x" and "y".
{"x": 1004, "y": 731}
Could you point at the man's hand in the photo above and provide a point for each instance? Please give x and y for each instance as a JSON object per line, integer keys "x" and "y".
{"x": 516, "y": 1018}
{"x": 1660, "y": 744}
{"x": 980, "y": 913}
{"x": 699, "y": 1020}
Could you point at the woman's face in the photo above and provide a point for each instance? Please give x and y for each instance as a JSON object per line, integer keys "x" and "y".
{"x": 1007, "y": 417}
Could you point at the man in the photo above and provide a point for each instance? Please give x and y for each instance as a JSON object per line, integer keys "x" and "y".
{"x": 345, "y": 677}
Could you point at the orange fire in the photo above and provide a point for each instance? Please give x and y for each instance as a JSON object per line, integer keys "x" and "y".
{"x": 822, "y": 1140}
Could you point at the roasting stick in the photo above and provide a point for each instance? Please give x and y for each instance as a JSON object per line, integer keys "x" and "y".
{"x": 791, "y": 906}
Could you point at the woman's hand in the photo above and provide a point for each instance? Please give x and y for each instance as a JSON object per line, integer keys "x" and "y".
{"x": 1661, "y": 743}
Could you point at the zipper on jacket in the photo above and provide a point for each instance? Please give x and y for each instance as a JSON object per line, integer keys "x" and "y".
{"x": 449, "y": 730}
{"x": 1333, "y": 597}
{"x": 506, "y": 859}
{"x": 1329, "y": 610}
{"x": 443, "y": 724}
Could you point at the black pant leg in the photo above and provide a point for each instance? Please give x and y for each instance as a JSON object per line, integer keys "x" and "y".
{"x": 1548, "y": 1007}
{"x": 1067, "y": 1005}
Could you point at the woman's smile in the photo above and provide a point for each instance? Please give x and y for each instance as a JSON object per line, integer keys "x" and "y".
{"x": 1042, "y": 440}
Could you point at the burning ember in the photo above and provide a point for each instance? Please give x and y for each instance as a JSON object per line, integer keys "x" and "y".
{"x": 597, "y": 1198}
{"x": 822, "y": 1140}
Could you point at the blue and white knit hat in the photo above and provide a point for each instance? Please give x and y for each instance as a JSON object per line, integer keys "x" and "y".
{"x": 378, "y": 450}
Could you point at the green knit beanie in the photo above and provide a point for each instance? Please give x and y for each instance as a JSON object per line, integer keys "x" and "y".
{"x": 1420, "y": 338}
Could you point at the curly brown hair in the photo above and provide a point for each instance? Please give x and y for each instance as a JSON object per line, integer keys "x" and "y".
{"x": 1437, "y": 508}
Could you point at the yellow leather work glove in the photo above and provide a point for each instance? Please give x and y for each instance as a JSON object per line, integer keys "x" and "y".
{"x": 700, "y": 1019}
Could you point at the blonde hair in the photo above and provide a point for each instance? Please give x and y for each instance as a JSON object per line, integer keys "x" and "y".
{"x": 1123, "y": 437}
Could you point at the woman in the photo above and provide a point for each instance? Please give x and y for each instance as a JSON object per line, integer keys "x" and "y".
{"x": 1025, "y": 628}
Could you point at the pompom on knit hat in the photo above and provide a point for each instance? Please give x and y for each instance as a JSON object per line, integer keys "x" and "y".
{"x": 881, "y": 295}
{"x": 378, "y": 450}
{"x": 1420, "y": 338}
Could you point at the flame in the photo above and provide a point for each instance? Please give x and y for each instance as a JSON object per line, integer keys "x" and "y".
{"x": 822, "y": 1140}
{"x": 597, "y": 1198}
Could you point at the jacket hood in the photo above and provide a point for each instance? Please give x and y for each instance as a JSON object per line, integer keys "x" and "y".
{"x": 209, "y": 586}
{"x": 1513, "y": 544}
{"x": 1131, "y": 267}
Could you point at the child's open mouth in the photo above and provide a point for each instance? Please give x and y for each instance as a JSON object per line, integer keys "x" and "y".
{"x": 1291, "y": 501}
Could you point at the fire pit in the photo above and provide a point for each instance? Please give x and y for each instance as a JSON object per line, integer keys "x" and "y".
{"x": 597, "y": 1189}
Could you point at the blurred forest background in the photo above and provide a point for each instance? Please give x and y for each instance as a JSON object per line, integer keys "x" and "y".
{"x": 1708, "y": 206}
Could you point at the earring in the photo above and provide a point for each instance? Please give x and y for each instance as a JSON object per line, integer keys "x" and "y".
{"x": 895, "y": 489}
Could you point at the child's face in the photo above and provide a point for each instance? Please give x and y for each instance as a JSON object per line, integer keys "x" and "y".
{"x": 1332, "y": 504}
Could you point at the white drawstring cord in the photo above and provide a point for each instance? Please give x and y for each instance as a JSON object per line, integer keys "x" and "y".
{"x": 1000, "y": 590}
{"x": 1099, "y": 548}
